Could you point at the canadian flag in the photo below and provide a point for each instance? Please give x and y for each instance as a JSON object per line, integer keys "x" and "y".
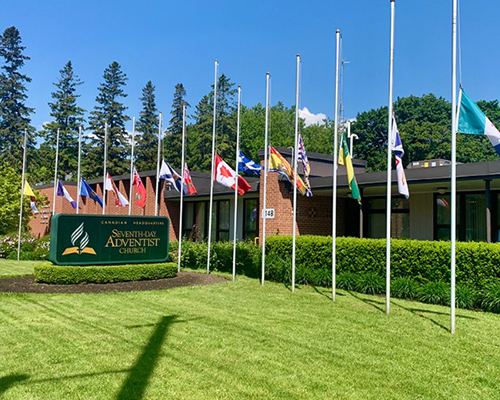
{"x": 120, "y": 199}
{"x": 226, "y": 176}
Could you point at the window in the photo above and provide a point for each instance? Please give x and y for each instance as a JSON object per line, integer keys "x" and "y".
{"x": 376, "y": 217}
{"x": 471, "y": 217}
{"x": 250, "y": 218}
{"x": 194, "y": 221}
{"x": 223, "y": 217}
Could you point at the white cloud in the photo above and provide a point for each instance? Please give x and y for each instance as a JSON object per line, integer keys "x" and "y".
{"x": 311, "y": 118}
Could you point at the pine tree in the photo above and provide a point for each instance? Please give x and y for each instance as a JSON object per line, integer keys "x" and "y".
{"x": 147, "y": 125}
{"x": 109, "y": 109}
{"x": 67, "y": 118}
{"x": 200, "y": 133}
{"x": 173, "y": 141}
{"x": 14, "y": 114}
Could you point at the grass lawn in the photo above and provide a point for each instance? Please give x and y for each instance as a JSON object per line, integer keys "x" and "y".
{"x": 242, "y": 341}
{"x": 10, "y": 268}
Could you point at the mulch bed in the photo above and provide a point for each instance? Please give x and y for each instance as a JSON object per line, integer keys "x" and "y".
{"x": 27, "y": 284}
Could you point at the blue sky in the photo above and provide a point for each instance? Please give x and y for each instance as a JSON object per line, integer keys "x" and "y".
{"x": 177, "y": 41}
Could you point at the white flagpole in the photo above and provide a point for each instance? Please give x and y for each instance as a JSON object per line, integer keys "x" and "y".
{"x": 389, "y": 171}
{"x": 22, "y": 196}
{"x": 295, "y": 157}
{"x": 235, "y": 225}
{"x": 183, "y": 175}
{"x": 105, "y": 168}
{"x": 131, "y": 167}
{"x": 55, "y": 174}
{"x": 335, "y": 167}
{"x": 266, "y": 168}
{"x": 158, "y": 167}
{"x": 79, "y": 173}
{"x": 453, "y": 164}
{"x": 212, "y": 176}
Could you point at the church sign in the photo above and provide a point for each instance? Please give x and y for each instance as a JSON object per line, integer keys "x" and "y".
{"x": 80, "y": 239}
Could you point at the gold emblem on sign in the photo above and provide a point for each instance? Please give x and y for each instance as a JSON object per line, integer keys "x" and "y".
{"x": 79, "y": 235}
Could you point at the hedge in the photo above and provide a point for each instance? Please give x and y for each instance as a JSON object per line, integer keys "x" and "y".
{"x": 66, "y": 275}
{"x": 194, "y": 255}
{"x": 478, "y": 264}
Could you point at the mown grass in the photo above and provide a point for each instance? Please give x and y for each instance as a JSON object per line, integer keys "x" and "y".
{"x": 10, "y": 268}
{"x": 241, "y": 341}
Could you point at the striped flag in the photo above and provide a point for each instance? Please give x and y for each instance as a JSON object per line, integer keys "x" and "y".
{"x": 61, "y": 191}
{"x": 29, "y": 192}
{"x": 397, "y": 148}
{"x": 472, "y": 120}
{"x": 305, "y": 165}
{"x": 277, "y": 163}
{"x": 345, "y": 159}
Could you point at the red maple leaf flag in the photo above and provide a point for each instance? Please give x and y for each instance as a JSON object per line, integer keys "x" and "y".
{"x": 226, "y": 176}
{"x": 140, "y": 190}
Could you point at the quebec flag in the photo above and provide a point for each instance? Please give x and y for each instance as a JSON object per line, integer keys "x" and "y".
{"x": 247, "y": 166}
{"x": 472, "y": 120}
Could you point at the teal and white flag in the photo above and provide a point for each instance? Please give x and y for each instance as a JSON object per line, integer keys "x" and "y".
{"x": 471, "y": 120}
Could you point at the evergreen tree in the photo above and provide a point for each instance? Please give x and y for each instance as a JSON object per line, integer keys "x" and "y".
{"x": 200, "y": 148}
{"x": 109, "y": 109}
{"x": 14, "y": 114}
{"x": 173, "y": 141}
{"x": 147, "y": 125}
{"x": 67, "y": 118}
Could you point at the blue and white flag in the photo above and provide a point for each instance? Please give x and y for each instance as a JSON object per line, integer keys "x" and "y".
{"x": 472, "y": 120}
{"x": 61, "y": 191}
{"x": 248, "y": 166}
{"x": 302, "y": 156}
{"x": 397, "y": 148}
{"x": 86, "y": 190}
{"x": 169, "y": 174}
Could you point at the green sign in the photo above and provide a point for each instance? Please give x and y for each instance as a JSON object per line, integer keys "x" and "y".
{"x": 79, "y": 239}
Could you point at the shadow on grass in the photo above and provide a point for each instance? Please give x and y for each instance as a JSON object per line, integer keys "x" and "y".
{"x": 374, "y": 303}
{"x": 324, "y": 293}
{"x": 6, "y": 382}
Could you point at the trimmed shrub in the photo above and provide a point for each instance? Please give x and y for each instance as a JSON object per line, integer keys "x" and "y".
{"x": 435, "y": 293}
{"x": 278, "y": 269}
{"x": 370, "y": 283}
{"x": 478, "y": 264}
{"x": 491, "y": 298}
{"x": 347, "y": 281}
{"x": 67, "y": 275}
{"x": 404, "y": 288}
{"x": 466, "y": 297}
{"x": 194, "y": 255}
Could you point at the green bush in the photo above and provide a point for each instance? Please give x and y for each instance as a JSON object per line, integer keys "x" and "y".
{"x": 434, "y": 293}
{"x": 31, "y": 248}
{"x": 347, "y": 281}
{"x": 370, "y": 283}
{"x": 478, "y": 264}
{"x": 466, "y": 297}
{"x": 404, "y": 288}
{"x": 194, "y": 255}
{"x": 491, "y": 298}
{"x": 67, "y": 275}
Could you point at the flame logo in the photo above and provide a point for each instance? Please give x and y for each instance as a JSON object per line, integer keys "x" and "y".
{"x": 79, "y": 234}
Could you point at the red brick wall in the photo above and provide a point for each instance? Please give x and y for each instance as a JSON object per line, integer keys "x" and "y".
{"x": 314, "y": 214}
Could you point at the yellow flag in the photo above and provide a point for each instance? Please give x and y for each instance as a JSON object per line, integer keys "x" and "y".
{"x": 27, "y": 189}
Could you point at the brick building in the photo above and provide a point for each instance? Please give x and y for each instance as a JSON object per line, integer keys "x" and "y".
{"x": 424, "y": 216}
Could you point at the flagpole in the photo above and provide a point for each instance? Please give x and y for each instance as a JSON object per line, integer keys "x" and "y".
{"x": 389, "y": 170}
{"x": 212, "y": 169}
{"x": 266, "y": 168}
{"x": 235, "y": 225}
{"x": 105, "y": 168}
{"x": 78, "y": 182}
{"x": 335, "y": 167}
{"x": 158, "y": 167}
{"x": 55, "y": 174}
{"x": 131, "y": 167}
{"x": 295, "y": 157}
{"x": 453, "y": 164}
{"x": 183, "y": 177}
{"x": 22, "y": 195}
